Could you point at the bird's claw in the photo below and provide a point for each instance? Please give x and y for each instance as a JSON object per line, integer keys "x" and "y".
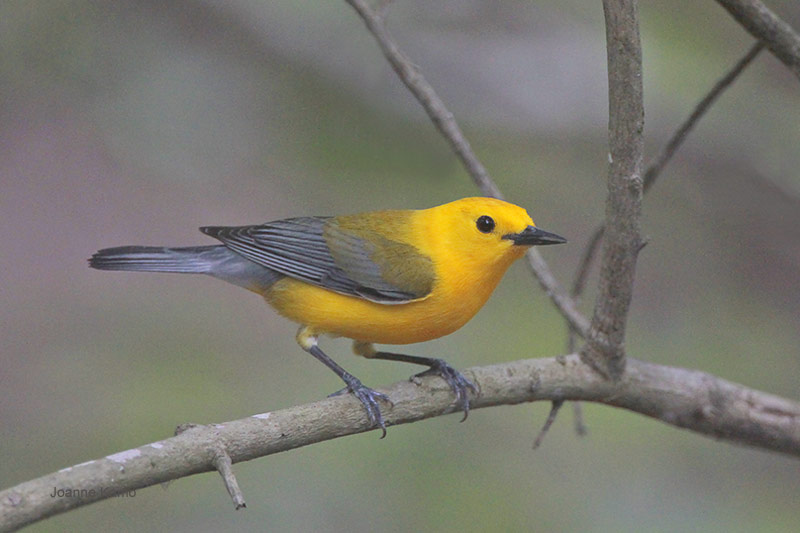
{"x": 459, "y": 384}
{"x": 369, "y": 399}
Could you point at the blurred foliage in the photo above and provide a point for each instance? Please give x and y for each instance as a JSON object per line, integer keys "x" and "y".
{"x": 136, "y": 122}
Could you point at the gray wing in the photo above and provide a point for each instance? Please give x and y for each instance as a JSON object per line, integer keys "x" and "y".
{"x": 296, "y": 247}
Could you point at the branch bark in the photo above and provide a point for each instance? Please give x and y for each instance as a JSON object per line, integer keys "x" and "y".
{"x": 604, "y": 349}
{"x": 766, "y": 26}
{"x": 679, "y": 397}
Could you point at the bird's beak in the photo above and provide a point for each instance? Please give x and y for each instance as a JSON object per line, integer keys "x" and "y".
{"x": 532, "y": 235}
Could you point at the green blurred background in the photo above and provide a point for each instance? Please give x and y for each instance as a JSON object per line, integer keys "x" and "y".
{"x": 137, "y": 122}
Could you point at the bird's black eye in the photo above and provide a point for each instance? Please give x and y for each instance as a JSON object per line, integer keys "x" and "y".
{"x": 485, "y": 224}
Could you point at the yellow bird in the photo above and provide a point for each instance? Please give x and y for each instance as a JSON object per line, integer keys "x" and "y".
{"x": 386, "y": 277}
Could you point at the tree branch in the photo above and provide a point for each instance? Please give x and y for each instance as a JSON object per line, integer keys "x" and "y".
{"x": 604, "y": 349}
{"x": 669, "y": 149}
{"x": 679, "y": 397}
{"x": 411, "y": 77}
{"x": 766, "y": 26}
{"x": 656, "y": 166}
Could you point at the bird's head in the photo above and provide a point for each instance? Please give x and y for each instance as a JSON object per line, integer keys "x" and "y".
{"x": 486, "y": 231}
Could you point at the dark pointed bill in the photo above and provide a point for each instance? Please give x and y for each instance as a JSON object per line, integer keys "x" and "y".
{"x": 533, "y": 236}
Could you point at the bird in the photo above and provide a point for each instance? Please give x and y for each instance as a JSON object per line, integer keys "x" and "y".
{"x": 380, "y": 277}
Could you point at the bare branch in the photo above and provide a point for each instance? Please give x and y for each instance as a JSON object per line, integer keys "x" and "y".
{"x": 665, "y": 155}
{"x": 551, "y": 417}
{"x": 604, "y": 349}
{"x": 658, "y": 164}
{"x": 410, "y": 75}
{"x": 447, "y": 125}
{"x": 683, "y": 398}
{"x": 766, "y": 26}
{"x": 222, "y": 462}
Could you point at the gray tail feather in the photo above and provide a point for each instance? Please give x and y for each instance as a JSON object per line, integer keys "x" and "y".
{"x": 188, "y": 260}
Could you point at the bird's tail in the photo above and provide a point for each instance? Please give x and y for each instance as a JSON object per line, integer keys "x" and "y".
{"x": 188, "y": 260}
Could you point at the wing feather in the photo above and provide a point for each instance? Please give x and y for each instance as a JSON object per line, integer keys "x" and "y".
{"x": 297, "y": 247}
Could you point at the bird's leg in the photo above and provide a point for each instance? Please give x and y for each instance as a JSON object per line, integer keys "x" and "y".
{"x": 369, "y": 398}
{"x": 459, "y": 384}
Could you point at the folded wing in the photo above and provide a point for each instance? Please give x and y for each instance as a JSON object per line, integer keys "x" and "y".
{"x": 316, "y": 250}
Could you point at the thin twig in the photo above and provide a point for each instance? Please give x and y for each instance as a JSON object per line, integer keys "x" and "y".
{"x": 657, "y": 165}
{"x": 222, "y": 462}
{"x": 766, "y": 26}
{"x": 444, "y": 121}
{"x": 683, "y": 398}
{"x": 551, "y": 417}
{"x": 411, "y": 77}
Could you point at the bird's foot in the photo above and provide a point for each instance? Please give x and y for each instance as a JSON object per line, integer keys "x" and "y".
{"x": 459, "y": 384}
{"x": 369, "y": 398}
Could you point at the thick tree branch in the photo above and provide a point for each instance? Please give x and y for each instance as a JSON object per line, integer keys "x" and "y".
{"x": 410, "y": 75}
{"x": 766, "y": 26}
{"x": 679, "y": 397}
{"x": 604, "y": 349}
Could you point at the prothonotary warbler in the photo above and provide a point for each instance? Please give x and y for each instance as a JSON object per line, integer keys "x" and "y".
{"x": 387, "y": 277}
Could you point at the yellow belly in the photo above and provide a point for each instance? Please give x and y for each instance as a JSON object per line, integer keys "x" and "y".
{"x": 441, "y": 313}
